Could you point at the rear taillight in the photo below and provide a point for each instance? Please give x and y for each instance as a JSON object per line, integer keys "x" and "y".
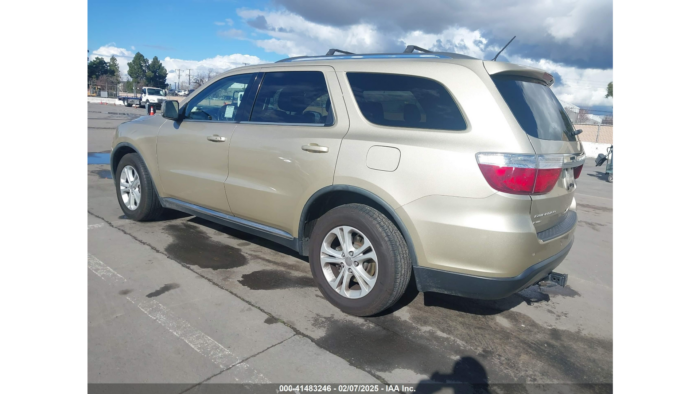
{"x": 577, "y": 171}
{"x": 512, "y": 180}
{"x": 523, "y": 174}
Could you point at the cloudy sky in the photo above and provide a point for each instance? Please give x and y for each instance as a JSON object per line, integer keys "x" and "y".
{"x": 571, "y": 39}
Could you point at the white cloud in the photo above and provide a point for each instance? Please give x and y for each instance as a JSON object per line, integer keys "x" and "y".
{"x": 292, "y": 35}
{"x": 576, "y": 25}
{"x": 133, "y": 48}
{"x": 454, "y": 39}
{"x": 216, "y": 64}
{"x": 227, "y": 21}
{"x": 231, "y": 33}
{"x": 122, "y": 55}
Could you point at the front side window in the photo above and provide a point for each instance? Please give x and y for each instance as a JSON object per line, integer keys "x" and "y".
{"x": 405, "y": 101}
{"x": 221, "y": 100}
{"x": 295, "y": 97}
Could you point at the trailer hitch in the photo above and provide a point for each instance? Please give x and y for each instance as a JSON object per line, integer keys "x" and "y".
{"x": 556, "y": 278}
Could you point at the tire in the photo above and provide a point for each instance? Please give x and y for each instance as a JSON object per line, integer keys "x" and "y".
{"x": 610, "y": 178}
{"x": 148, "y": 207}
{"x": 127, "y": 104}
{"x": 391, "y": 268}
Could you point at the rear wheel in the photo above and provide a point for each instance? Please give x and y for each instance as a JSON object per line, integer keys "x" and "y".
{"x": 359, "y": 259}
{"x": 135, "y": 191}
{"x": 610, "y": 176}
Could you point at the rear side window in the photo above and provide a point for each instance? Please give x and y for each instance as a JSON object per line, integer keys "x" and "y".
{"x": 405, "y": 101}
{"x": 536, "y": 108}
{"x": 293, "y": 97}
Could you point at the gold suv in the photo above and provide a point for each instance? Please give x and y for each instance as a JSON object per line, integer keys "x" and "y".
{"x": 458, "y": 171}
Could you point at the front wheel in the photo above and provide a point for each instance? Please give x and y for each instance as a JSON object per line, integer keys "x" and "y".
{"x": 135, "y": 190}
{"x": 610, "y": 177}
{"x": 359, "y": 259}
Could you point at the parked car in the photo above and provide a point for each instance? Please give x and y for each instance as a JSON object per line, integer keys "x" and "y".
{"x": 458, "y": 171}
{"x": 182, "y": 93}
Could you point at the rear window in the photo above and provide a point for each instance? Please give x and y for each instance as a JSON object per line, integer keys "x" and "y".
{"x": 405, "y": 101}
{"x": 536, "y": 108}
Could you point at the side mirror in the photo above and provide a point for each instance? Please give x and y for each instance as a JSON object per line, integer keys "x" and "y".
{"x": 171, "y": 110}
{"x": 577, "y": 132}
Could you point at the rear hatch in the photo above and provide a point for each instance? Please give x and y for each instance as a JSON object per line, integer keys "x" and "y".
{"x": 552, "y": 135}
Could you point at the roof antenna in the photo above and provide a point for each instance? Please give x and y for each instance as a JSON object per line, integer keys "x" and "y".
{"x": 499, "y": 52}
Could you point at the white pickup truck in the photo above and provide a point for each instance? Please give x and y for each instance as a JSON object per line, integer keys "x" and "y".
{"x": 149, "y": 95}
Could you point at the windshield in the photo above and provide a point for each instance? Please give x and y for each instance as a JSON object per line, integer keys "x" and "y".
{"x": 155, "y": 92}
{"x": 536, "y": 108}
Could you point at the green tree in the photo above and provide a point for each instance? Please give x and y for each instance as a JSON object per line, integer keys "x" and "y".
{"x": 609, "y": 90}
{"x": 138, "y": 67}
{"x": 114, "y": 69}
{"x": 97, "y": 68}
{"x": 156, "y": 74}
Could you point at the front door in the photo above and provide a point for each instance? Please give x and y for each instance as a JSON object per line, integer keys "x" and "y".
{"x": 193, "y": 154}
{"x": 288, "y": 149}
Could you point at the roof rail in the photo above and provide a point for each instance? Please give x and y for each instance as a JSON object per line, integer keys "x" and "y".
{"x": 405, "y": 55}
{"x": 332, "y": 52}
{"x": 412, "y": 48}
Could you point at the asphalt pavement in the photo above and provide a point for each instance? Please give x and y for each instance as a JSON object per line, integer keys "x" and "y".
{"x": 183, "y": 300}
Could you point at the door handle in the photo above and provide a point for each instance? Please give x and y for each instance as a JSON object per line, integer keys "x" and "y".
{"x": 315, "y": 148}
{"x": 216, "y": 138}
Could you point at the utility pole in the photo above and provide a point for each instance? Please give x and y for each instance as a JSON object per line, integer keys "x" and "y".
{"x": 189, "y": 82}
{"x": 178, "y": 79}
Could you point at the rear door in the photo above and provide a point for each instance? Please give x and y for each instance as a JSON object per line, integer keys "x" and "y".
{"x": 288, "y": 149}
{"x": 551, "y": 134}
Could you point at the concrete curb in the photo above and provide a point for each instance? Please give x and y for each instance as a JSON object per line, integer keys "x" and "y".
{"x": 103, "y": 100}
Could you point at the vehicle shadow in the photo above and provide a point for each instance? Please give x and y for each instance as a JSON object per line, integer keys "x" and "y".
{"x": 248, "y": 238}
{"x": 531, "y": 295}
{"x": 468, "y": 376}
{"x": 603, "y": 176}
{"x": 166, "y": 216}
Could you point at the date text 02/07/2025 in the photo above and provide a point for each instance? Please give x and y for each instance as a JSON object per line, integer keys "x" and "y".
{"x": 346, "y": 389}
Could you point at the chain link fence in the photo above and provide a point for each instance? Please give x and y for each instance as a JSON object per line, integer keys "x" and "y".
{"x": 597, "y": 126}
{"x": 104, "y": 91}
{"x": 598, "y": 133}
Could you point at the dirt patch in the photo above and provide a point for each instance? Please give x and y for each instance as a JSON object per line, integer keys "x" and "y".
{"x": 165, "y": 288}
{"x": 592, "y": 225}
{"x": 192, "y": 246}
{"x": 275, "y": 280}
{"x": 594, "y": 207}
{"x": 104, "y": 174}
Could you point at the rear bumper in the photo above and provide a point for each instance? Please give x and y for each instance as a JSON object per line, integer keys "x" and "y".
{"x": 463, "y": 285}
{"x": 490, "y": 237}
